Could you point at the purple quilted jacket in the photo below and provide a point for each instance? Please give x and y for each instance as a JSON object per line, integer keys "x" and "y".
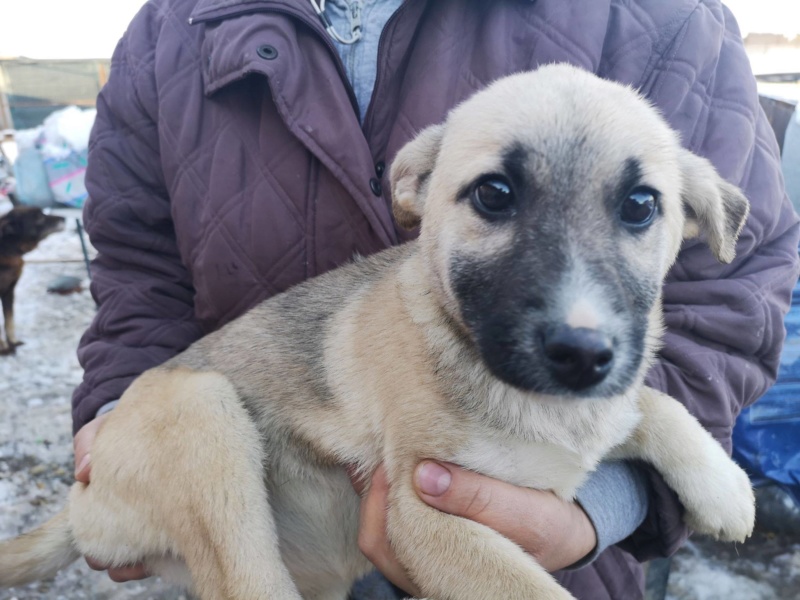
{"x": 228, "y": 163}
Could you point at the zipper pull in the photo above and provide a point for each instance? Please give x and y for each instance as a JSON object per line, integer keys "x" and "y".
{"x": 354, "y": 14}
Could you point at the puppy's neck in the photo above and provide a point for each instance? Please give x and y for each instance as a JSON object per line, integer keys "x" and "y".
{"x": 464, "y": 380}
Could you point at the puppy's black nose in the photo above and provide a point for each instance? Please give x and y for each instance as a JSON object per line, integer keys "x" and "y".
{"x": 578, "y": 358}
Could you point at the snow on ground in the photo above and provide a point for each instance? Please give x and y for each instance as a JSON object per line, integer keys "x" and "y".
{"x": 36, "y": 456}
{"x": 767, "y": 567}
{"x": 35, "y": 423}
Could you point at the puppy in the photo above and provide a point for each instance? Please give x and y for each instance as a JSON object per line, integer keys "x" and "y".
{"x": 21, "y": 230}
{"x": 512, "y": 338}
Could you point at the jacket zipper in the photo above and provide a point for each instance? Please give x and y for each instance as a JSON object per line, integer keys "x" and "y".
{"x": 316, "y": 28}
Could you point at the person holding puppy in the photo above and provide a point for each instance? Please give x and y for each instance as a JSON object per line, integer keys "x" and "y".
{"x": 242, "y": 147}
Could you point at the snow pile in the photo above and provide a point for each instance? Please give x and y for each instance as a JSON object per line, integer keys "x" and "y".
{"x": 54, "y": 156}
{"x": 67, "y": 130}
{"x": 765, "y": 567}
{"x": 695, "y": 577}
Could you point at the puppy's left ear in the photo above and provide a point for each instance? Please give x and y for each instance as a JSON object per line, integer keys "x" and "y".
{"x": 409, "y": 175}
{"x": 712, "y": 205}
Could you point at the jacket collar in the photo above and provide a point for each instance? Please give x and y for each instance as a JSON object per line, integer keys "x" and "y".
{"x": 230, "y": 46}
{"x": 329, "y": 129}
{"x": 214, "y": 10}
{"x": 210, "y": 10}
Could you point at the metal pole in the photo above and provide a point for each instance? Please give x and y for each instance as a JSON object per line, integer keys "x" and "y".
{"x": 5, "y": 110}
{"x": 83, "y": 247}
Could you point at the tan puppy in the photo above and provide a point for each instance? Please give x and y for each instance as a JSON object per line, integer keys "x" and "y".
{"x": 512, "y": 338}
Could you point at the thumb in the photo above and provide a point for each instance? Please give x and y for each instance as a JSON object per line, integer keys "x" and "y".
{"x": 555, "y": 532}
{"x": 457, "y": 491}
{"x": 82, "y": 445}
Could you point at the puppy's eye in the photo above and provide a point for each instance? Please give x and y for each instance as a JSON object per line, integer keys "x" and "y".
{"x": 639, "y": 207}
{"x": 493, "y": 197}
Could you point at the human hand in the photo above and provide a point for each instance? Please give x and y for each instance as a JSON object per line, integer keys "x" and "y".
{"x": 82, "y": 445}
{"x": 555, "y": 532}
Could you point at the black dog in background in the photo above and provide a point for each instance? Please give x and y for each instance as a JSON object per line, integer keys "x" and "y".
{"x": 21, "y": 230}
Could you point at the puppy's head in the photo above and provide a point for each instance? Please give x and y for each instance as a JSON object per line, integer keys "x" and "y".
{"x": 24, "y": 227}
{"x": 553, "y": 204}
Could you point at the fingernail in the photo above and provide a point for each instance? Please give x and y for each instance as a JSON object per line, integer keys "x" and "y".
{"x": 432, "y": 478}
{"x": 82, "y": 465}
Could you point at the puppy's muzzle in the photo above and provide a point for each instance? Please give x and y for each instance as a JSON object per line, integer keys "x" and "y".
{"x": 577, "y": 358}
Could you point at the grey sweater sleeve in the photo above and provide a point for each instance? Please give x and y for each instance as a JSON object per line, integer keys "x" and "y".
{"x": 616, "y": 499}
{"x": 106, "y": 408}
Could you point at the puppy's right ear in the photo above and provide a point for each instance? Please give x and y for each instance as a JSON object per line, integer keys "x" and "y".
{"x": 409, "y": 175}
{"x": 712, "y": 205}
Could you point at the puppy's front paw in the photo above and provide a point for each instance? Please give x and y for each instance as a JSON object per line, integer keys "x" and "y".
{"x": 720, "y": 503}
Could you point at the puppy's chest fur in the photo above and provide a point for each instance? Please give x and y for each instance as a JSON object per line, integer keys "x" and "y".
{"x": 550, "y": 456}
{"x": 522, "y": 463}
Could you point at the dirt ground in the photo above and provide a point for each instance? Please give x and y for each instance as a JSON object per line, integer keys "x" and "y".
{"x": 36, "y": 457}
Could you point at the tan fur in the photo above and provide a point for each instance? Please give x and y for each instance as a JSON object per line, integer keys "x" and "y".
{"x": 228, "y": 458}
{"x": 39, "y": 553}
{"x": 408, "y": 176}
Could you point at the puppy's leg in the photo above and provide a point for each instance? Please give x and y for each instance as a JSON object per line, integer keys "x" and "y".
{"x": 8, "y": 342}
{"x": 177, "y": 470}
{"x": 451, "y": 558}
{"x": 715, "y": 492}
